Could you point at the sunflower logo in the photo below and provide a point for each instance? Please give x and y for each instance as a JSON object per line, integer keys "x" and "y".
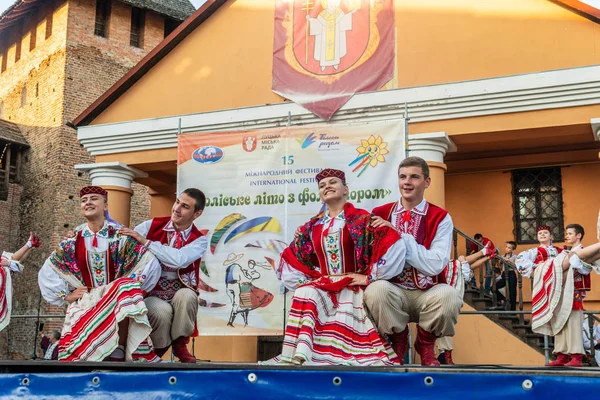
{"x": 370, "y": 152}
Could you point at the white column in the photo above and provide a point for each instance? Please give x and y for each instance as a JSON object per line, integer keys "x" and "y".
{"x": 432, "y": 147}
{"x": 116, "y": 178}
{"x": 596, "y": 130}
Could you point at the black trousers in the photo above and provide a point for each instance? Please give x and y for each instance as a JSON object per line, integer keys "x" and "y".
{"x": 512, "y": 289}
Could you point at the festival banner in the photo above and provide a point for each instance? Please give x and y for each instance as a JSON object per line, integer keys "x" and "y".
{"x": 324, "y": 51}
{"x": 260, "y": 187}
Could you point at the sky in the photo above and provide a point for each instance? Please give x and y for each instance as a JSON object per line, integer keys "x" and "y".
{"x": 4, "y": 4}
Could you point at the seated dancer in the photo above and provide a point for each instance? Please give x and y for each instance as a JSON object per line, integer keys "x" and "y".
{"x": 335, "y": 255}
{"x": 102, "y": 277}
{"x": 179, "y": 246}
{"x": 420, "y": 293}
{"x": 559, "y": 284}
{"x": 458, "y": 272}
{"x": 11, "y": 264}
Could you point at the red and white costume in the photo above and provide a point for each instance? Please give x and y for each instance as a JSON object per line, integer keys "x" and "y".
{"x": 173, "y": 302}
{"x": 557, "y": 297}
{"x": 420, "y": 293}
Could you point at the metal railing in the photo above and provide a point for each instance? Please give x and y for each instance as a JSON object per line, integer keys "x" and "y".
{"x": 506, "y": 266}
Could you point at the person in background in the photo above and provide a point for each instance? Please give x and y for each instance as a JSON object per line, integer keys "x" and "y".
{"x": 49, "y": 345}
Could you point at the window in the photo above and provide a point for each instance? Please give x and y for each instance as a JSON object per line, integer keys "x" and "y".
{"x": 32, "y": 37}
{"x": 4, "y": 60}
{"x": 24, "y": 96}
{"x": 136, "y": 38}
{"x": 49, "y": 24}
{"x": 1, "y": 109}
{"x": 102, "y": 16}
{"x": 37, "y": 90}
{"x": 18, "y": 49}
{"x": 537, "y": 200}
{"x": 170, "y": 26}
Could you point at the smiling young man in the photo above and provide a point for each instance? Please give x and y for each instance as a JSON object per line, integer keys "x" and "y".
{"x": 179, "y": 246}
{"x": 419, "y": 294}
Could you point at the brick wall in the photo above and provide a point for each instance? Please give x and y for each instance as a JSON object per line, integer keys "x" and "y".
{"x": 68, "y": 71}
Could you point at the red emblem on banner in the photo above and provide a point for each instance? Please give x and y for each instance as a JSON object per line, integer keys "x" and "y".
{"x": 249, "y": 143}
{"x": 327, "y": 50}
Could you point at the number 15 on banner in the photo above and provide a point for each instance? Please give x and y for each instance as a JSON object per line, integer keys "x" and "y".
{"x": 287, "y": 160}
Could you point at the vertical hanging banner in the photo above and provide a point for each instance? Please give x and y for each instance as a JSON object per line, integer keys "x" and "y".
{"x": 324, "y": 51}
{"x": 260, "y": 187}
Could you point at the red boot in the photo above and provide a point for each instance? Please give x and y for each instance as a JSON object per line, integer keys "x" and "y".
{"x": 576, "y": 361}
{"x": 424, "y": 346}
{"x": 400, "y": 343}
{"x": 448, "y": 357}
{"x": 561, "y": 360}
{"x": 180, "y": 350}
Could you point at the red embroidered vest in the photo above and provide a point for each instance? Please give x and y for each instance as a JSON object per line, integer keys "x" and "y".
{"x": 347, "y": 250}
{"x": 425, "y": 235}
{"x": 83, "y": 263}
{"x": 188, "y": 276}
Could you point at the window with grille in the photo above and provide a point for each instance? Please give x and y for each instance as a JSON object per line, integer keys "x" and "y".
{"x": 102, "y": 16}
{"x": 537, "y": 200}
{"x": 136, "y": 38}
{"x": 4, "y": 60}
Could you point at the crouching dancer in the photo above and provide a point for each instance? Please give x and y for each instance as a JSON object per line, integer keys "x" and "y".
{"x": 419, "y": 293}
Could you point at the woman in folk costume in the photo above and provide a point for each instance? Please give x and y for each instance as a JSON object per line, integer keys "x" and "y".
{"x": 102, "y": 277}
{"x": 10, "y": 264}
{"x": 555, "y": 297}
{"x": 333, "y": 258}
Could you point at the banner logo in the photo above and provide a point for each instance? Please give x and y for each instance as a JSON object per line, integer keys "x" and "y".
{"x": 307, "y": 140}
{"x": 208, "y": 155}
{"x": 249, "y": 143}
{"x": 327, "y": 50}
{"x": 370, "y": 152}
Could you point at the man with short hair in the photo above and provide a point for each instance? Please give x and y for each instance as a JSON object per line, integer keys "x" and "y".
{"x": 420, "y": 293}
{"x": 49, "y": 345}
{"x": 179, "y": 246}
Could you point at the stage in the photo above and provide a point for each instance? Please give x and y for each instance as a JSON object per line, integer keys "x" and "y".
{"x": 54, "y": 380}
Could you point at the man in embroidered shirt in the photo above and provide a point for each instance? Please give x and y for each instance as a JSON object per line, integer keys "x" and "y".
{"x": 419, "y": 294}
{"x": 179, "y": 246}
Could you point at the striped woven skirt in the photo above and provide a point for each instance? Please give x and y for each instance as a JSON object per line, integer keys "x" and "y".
{"x": 5, "y": 297}
{"x": 317, "y": 333}
{"x": 91, "y": 331}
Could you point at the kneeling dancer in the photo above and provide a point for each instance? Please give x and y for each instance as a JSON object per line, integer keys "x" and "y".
{"x": 419, "y": 293}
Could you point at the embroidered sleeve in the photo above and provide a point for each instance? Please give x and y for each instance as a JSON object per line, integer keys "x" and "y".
{"x": 525, "y": 262}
